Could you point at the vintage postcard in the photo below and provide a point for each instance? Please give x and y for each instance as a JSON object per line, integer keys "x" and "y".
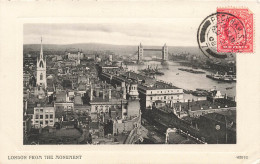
{"x": 130, "y": 82}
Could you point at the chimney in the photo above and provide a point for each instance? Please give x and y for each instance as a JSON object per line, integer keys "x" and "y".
{"x": 127, "y": 88}
{"x": 124, "y": 93}
{"x": 109, "y": 93}
{"x": 91, "y": 93}
{"x": 123, "y": 84}
{"x": 103, "y": 93}
{"x": 25, "y": 105}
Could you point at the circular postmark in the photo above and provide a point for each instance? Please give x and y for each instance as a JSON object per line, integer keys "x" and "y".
{"x": 218, "y": 30}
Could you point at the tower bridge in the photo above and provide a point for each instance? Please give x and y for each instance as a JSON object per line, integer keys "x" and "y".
{"x": 141, "y": 50}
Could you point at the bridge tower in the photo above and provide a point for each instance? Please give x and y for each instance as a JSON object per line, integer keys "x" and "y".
{"x": 165, "y": 53}
{"x": 140, "y": 53}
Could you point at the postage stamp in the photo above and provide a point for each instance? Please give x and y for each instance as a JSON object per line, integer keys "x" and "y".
{"x": 235, "y": 31}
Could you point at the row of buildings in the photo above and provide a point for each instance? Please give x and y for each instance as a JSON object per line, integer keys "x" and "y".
{"x": 63, "y": 96}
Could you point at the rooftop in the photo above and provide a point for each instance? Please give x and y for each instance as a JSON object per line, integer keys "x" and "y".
{"x": 73, "y": 133}
{"x": 159, "y": 85}
{"x": 94, "y": 125}
{"x": 202, "y": 105}
{"x": 230, "y": 115}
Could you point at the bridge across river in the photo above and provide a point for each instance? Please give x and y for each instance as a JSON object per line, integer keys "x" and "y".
{"x": 141, "y": 50}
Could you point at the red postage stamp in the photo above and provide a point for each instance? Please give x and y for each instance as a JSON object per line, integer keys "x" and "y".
{"x": 235, "y": 31}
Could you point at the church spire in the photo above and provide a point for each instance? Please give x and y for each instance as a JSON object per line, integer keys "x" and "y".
{"x": 41, "y": 53}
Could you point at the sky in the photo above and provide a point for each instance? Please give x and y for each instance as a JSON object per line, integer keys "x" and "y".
{"x": 156, "y": 33}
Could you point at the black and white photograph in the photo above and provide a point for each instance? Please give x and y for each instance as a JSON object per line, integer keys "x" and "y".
{"x": 143, "y": 82}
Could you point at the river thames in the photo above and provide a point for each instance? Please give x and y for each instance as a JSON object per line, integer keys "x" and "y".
{"x": 187, "y": 80}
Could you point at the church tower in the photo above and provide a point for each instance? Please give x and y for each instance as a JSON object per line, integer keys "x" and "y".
{"x": 41, "y": 70}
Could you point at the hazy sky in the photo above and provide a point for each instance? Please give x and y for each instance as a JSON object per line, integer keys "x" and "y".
{"x": 173, "y": 33}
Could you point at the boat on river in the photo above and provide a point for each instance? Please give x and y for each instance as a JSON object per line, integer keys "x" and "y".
{"x": 223, "y": 78}
{"x": 151, "y": 71}
{"x": 191, "y": 71}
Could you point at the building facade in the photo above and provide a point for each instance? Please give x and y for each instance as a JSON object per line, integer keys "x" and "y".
{"x": 167, "y": 93}
{"x": 43, "y": 116}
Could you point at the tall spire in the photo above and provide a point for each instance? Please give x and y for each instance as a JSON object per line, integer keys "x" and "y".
{"x": 41, "y": 53}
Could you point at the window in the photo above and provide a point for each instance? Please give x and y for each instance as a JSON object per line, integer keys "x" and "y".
{"x": 46, "y": 116}
{"x": 41, "y": 64}
{"x": 164, "y": 97}
{"x": 41, "y": 122}
{"x": 41, "y": 110}
{"x": 151, "y": 98}
{"x": 46, "y": 122}
{"x": 41, "y": 76}
{"x": 41, "y": 116}
{"x": 36, "y": 116}
{"x": 51, "y": 116}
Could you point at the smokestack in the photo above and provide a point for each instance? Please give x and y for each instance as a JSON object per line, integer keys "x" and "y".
{"x": 109, "y": 93}
{"x": 124, "y": 93}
